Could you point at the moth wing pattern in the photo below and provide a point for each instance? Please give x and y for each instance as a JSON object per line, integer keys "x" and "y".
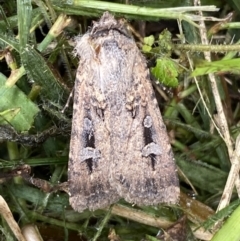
{"x": 119, "y": 145}
{"x": 89, "y": 156}
{"x": 142, "y": 165}
{"x": 148, "y": 175}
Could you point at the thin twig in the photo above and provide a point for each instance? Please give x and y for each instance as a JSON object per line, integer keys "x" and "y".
{"x": 211, "y": 48}
{"x": 196, "y": 211}
{"x": 233, "y": 175}
{"x": 140, "y": 216}
{"x": 103, "y": 224}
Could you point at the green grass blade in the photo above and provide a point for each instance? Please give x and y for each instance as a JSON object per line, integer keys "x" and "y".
{"x": 24, "y": 10}
{"x": 230, "y": 229}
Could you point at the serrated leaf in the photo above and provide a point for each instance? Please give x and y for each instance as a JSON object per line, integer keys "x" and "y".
{"x": 203, "y": 176}
{"x": 166, "y": 72}
{"x": 8, "y": 40}
{"x": 164, "y": 42}
{"x": 149, "y": 40}
{"x": 220, "y": 215}
{"x": 230, "y": 229}
{"x": 230, "y": 65}
{"x": 146, "y": 48}
{"x": 40, "y": 72}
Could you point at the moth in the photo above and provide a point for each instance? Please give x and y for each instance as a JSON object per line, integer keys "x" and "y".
{"x": 119, "y": 146}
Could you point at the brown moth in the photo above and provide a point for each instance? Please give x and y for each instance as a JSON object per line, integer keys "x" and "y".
{"x": 119, "y": 145}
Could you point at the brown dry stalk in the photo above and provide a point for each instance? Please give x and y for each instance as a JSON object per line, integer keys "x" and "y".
{"x": 223, "y": 127}
{"x": 7, "y": 215}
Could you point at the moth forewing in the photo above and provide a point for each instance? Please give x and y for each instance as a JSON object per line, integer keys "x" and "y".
{"x": 89, "y": 156}
{"x": 119, "y": 145}
{"x": 143, "y": 171}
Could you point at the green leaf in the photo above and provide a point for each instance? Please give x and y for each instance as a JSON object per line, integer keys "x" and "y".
{"x": 24, "y": 10}
{"x": 146, "y": 48}
{"x": 165, "y": 42}
{"x": 149, "y": 40}
{"x": 151, "y": 238}
{"x": 231, "y": 65}
{"x": 7, "y": 115}
{"x": 8, "y": 40}
{"x": 220, "y": 215}
{"x": 13, "y": 100}
{"x": 166, "y": 72}
{"x": 40, "y": 72}
{"x": 204, "y": 176}
{"x": 230, "y": 229}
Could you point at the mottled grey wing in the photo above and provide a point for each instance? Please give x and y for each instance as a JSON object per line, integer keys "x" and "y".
{"x": 119, "y": 145}
{"x": 89, "y": 156}
{"x": 143, "y": 169}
